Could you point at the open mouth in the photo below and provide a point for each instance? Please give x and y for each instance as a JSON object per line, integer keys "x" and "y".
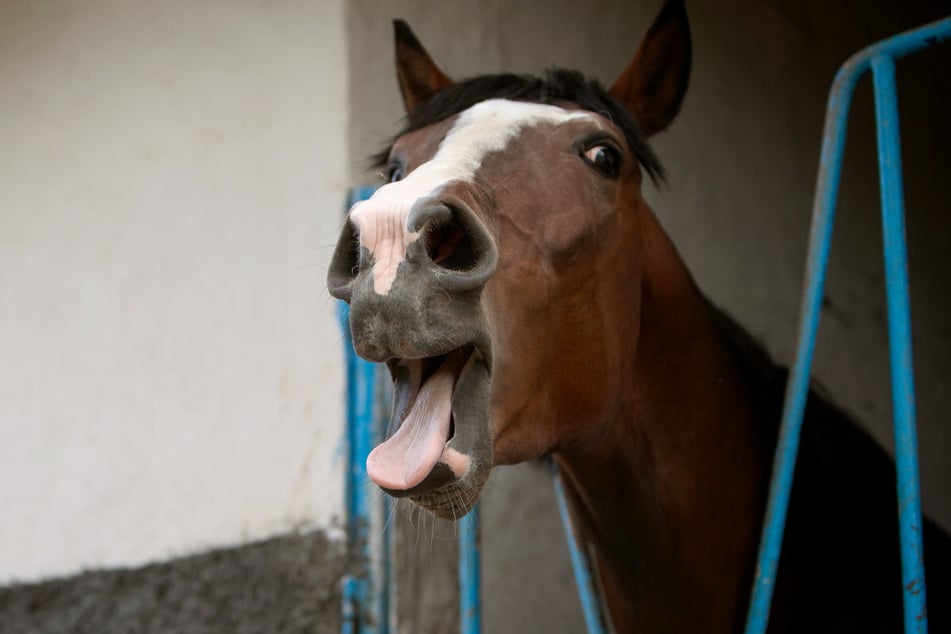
{"x": 417, "y": 455}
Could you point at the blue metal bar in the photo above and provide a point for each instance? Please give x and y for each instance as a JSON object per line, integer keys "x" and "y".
{"x": 366, "y": 596}
{"x": 797, "y": 389}
{"x": 899, "y": 335}
{"x": 361, "y": 592}
{"x": 587, "y": 592}
{"x": 903, "y": 44}
{"x": 349, "y": 616}
{"x": 470, "y": 606}
{"x": 830, "y": 165}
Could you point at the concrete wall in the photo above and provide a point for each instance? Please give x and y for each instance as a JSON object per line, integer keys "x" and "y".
{"x": 742, "y": 159}
{"x": 172, "y": 177}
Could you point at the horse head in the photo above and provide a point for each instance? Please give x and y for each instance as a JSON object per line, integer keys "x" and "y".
{"x": 497, "y": 272}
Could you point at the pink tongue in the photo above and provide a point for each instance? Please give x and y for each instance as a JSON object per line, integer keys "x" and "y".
{"x": 405, "y": 460}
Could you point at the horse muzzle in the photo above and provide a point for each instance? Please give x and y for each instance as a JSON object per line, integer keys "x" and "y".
{"x": 414, "y": 286}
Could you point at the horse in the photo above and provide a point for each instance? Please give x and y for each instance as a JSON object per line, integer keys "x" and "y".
{"x": 528, "y": 303}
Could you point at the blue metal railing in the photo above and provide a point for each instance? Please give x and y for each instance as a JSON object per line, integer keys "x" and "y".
{"x": 470, "y": 604}
{"x": 580, "y": 565}
{"x": 880, "y": 59}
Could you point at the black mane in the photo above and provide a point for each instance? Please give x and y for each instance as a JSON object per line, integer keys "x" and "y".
{"x": 557, "y": 86}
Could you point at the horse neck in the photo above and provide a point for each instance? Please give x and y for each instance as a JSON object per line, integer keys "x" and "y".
{"x": 668, "y": 498}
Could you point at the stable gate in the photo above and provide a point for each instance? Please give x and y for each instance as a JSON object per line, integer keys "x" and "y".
{"x": 366, "y": 596}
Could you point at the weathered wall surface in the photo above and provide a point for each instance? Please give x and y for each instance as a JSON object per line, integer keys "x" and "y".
{"x": 286, "y": 585}
{"x": 742, "y": 160}
{"x": 171, "y": 179}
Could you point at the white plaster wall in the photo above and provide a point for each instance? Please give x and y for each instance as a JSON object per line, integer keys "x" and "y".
{"x": 172, "y": 176}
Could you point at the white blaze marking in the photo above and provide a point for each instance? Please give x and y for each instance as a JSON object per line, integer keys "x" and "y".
{"x": 482, "y": 129}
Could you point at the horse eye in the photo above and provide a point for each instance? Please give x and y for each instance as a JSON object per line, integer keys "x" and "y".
{"x": 394, "y": 172}
{"x": 603, "y": 158}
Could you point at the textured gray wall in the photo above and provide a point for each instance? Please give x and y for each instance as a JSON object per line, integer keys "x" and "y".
{"x": 286, "y": 585}
{"x": 742, "y": 160}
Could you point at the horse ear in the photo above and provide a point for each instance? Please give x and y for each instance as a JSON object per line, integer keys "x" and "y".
{"x": 654, "y": 82}
{"x": 418, "y": 75}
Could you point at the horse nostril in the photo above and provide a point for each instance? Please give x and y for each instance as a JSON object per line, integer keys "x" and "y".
{"x": 449, "y": 247}
{"x": 345, "y": 263}
{"x": 456, "y": 242}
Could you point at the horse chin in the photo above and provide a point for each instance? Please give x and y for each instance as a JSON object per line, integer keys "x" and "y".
{"x": 453, "y": 501}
